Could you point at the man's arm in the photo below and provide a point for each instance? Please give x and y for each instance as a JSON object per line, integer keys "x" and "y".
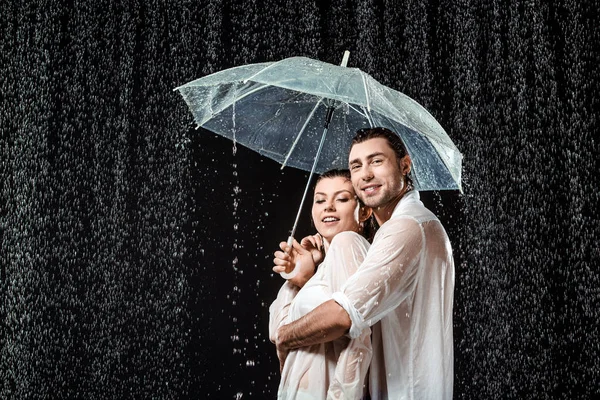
{"x": 384, "y": 280}
{"x": 279, "y": 309}
{"x": 325, "y": 323}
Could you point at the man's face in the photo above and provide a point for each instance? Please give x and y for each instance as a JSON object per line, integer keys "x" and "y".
{"x": 376, "y": 175}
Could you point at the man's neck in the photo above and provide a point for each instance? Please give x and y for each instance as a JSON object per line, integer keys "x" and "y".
{"x": 384, "y": 212}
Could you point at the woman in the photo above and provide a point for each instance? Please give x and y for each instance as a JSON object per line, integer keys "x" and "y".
{"x": 334, "y": 370}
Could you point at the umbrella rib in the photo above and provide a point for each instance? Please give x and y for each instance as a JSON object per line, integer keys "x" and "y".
{"x": 362, "y": 75}
{"x": 260, "y": 72}
{"x": 367, "y": 115}
{"x": 287, "y": 157}
{"x": 227, "y": 105}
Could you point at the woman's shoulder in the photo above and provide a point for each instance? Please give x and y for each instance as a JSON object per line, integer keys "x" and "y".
{"x": 348, "y": 238}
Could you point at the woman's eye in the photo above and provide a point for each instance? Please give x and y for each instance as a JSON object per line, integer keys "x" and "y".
{"x": 319, "y": 201}
{"x": 343, "y": 199}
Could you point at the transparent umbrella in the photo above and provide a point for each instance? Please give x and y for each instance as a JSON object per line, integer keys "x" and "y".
{"x": 303, "y": 113}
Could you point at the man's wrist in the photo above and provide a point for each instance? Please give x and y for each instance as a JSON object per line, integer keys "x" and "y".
{"x": 280, "y": 336}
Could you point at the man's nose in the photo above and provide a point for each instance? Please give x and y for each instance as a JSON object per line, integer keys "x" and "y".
{"x": 366, "y": 174}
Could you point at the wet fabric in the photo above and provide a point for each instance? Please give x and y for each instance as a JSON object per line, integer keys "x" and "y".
{"x": 404, "y": 290}
{"x": 334, "y": 370}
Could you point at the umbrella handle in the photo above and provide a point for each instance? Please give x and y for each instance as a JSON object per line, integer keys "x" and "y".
{"x": 293, "y": 272}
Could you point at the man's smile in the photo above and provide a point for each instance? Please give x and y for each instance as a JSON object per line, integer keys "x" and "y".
{"x": 370, "y": 189}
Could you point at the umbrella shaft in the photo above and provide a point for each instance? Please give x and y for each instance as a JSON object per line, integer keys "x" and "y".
{"x": 330, "y": 110}
{"x": 328, "y": 117}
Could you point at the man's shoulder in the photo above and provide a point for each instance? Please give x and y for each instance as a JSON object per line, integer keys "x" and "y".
{"x": 415, "y": 211}
{"x": 399, "y": 228}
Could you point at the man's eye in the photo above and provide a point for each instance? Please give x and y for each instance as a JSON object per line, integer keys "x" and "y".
{"x": 355, "y": 166}
{"x": 376, "y": 161}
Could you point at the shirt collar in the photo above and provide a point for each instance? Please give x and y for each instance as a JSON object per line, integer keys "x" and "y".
{"x": 410, "y": 198}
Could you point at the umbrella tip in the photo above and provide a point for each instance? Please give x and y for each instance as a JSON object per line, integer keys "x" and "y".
{"x": 345, "y": 58}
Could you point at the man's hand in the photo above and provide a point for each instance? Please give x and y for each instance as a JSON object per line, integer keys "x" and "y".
{"x": 281, "y": 355}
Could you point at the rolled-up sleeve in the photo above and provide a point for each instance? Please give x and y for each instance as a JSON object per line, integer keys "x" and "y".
{"x": 279, "y": 309}
{"x": 387, "y": 276}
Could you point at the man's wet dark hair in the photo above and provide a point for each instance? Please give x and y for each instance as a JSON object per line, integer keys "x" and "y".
{"x": 394, "y": 140}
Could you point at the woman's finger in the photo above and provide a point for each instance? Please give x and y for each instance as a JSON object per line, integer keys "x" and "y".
{"x": 308, "y": 242}
{"x": 279, "y": 261}
{"x": 319, "y": 241}
{"x": 284, "y": 246}
{"x": 278, "y": 269}
{"x": 298, "y": 247}
{"x": 282, "y": 256}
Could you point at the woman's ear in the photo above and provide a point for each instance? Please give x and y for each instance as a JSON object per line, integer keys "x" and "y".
{"x": 364, "y": 213}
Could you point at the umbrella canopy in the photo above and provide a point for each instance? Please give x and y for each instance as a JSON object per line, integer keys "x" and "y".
{"x": 279, "y": 110}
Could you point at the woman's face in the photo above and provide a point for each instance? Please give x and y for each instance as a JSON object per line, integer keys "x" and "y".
{"x": 335, "y": 207}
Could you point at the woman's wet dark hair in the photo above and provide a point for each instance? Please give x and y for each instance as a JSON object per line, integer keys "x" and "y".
{"x": 334, "y": 173}
{"x": 370, "y": 226}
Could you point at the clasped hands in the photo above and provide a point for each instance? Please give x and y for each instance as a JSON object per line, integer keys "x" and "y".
{"x": 302, "y": 257}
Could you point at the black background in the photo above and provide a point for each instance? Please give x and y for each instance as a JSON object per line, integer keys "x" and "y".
{"x": 136, "y": 250}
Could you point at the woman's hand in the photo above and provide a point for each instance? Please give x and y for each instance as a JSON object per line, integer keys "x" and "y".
{"x": 315, "y": 245}
{"x": 297, "y": 261}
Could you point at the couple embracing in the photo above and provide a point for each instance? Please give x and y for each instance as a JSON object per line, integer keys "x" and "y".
{"x": 366, "y": 319}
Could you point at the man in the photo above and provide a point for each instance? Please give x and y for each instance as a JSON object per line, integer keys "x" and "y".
{"x": 403, "y": 289}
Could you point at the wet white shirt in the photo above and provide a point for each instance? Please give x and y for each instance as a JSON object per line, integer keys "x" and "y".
{"x": 404, "y": 290}
{"x": 334, "y": 370}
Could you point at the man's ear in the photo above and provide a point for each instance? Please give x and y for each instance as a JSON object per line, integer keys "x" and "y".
{"x": 364, "y": 213}
{"x": 405, "y": 164}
